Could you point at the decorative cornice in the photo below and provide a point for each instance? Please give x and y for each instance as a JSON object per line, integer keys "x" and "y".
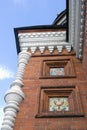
{"x": 42, "y": 34}
{"x": 33, "y": 39}
{"x": 44, "y": 40}
{"x": 50, "y": 46}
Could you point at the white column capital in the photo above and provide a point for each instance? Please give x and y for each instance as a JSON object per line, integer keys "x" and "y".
{"x": 24, "y": 57}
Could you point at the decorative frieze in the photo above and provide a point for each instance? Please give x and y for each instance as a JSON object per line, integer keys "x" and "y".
{"x": 50, "y": 48}
{"x": 42, "y": 35}
{"x": 44, "y": 40}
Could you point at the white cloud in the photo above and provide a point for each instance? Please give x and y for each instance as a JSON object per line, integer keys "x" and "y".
{"x": 1, "y": 116}
{"x": 5, "y": 73}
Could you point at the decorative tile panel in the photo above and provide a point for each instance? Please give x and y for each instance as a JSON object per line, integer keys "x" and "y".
{"x": 58, "y": 104}
{"x": 61, "y": 68}
{"x": 56, "y": 71}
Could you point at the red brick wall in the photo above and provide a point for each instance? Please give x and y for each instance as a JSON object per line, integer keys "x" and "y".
{"x": 26, "y": 120}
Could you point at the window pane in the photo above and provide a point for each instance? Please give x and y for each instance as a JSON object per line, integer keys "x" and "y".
{"x": 58, "y": 104}
{"x": 56, "y": 71}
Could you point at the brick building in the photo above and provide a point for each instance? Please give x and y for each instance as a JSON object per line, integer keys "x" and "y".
{"x": 53, "y": 83}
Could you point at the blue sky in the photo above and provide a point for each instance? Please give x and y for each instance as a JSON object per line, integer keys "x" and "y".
{"x": 20, "y": 13}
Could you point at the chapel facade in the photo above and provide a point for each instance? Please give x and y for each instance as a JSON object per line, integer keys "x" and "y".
{"x": 50, "y": 88}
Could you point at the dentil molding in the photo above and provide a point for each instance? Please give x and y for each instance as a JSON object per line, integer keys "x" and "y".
{"x": 44, "y": 40}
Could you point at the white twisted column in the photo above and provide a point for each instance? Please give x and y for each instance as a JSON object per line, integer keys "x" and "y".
{"x": 14, "y": 95}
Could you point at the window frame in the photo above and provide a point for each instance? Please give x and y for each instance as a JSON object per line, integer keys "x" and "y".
{"x": 75, "y": 106}
{"x": 67, "y": 64}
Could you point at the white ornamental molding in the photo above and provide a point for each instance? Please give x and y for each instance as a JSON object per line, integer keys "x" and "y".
{"x": 44, "y": 40}
{"x": 60, "y": 48}
{"x": 42, "y": 37}
{"x": 68, "y": 48}
{"x": 51, "y": 46}
{"x": 39, "y": 35}
{"x": 76, "y": 24}
{"x": 51, "y": 49}
{"x": 33, "y": 49}
{"x": 42, "y": 48}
